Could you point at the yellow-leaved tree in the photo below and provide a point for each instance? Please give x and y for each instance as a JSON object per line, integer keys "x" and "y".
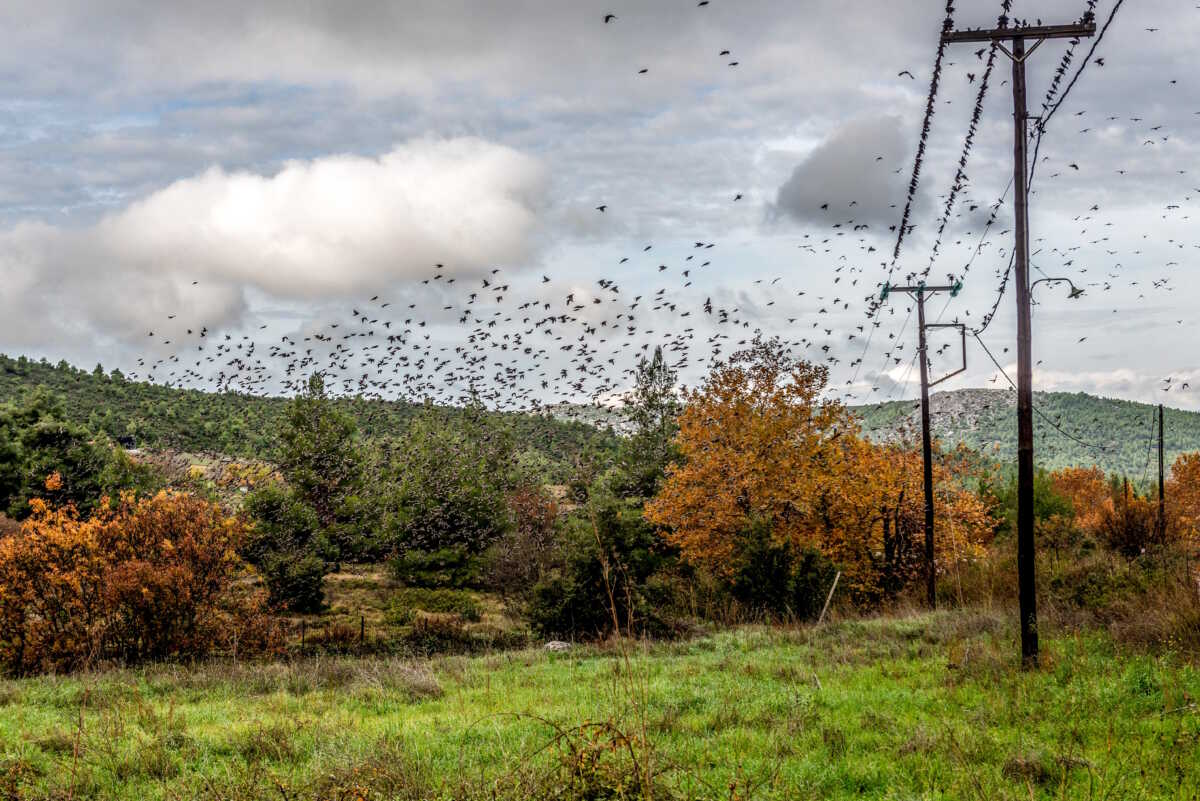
{"x": 1088, "y": 490}
{"x": 763, "y": 449}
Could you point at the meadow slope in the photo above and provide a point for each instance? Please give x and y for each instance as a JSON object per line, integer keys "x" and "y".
{"x": 929, "y": 707}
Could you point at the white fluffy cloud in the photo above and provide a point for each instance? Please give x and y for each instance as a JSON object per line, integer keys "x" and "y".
{"x": 332, "y": 226}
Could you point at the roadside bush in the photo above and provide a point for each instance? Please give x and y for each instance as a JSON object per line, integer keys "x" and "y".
{"x": 1152, "y": 600}
{"x": 148, "y": 579}
{"x": 1131, "y": 527}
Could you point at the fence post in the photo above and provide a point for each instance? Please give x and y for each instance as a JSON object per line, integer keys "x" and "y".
{"x": 829, "y": 598}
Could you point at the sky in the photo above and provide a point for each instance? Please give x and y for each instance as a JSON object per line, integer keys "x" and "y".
{"x": 262, "y": 170}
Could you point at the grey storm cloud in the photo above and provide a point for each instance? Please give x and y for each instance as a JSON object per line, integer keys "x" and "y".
{"x": 850, "y": 176}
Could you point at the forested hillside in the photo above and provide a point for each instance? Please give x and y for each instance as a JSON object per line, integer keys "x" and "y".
{"x": 158, "y": 417}
{"x": 1114, "y": 435}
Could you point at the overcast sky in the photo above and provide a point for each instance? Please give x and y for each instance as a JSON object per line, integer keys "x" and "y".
{"x": 274, "y": 162}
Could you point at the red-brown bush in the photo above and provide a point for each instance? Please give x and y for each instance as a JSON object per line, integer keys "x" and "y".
{"x": 146, "y": 579}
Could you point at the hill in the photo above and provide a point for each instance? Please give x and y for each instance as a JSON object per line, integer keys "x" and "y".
{"x": 156, "y": 417}
{"x": 1112, "y": 434}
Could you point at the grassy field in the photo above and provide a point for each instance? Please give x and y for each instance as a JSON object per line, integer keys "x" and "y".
{"x": 927, "y": 707}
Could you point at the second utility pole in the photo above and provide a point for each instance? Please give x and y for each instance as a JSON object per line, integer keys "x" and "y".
{"x": 926, "y": 440}
{"x": 1162, "y": 497}
{"x": 1027, "y": 588}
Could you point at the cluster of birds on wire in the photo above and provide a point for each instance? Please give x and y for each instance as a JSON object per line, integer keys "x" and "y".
{"x": 516, "y": 343}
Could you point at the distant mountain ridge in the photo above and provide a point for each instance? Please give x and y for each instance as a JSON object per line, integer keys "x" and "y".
{"x": 1115, "y": 435}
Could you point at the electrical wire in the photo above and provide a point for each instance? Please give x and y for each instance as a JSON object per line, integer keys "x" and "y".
{"x": 1149, "y": 448}
{"x": 915, "y": 179}
{"x": 1039, "y": 412}
{"x": 960, "y": 176}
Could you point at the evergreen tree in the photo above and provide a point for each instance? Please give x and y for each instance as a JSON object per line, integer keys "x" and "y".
{"x": 320, "y": 459}
{"x": 43, "y": 456}
{"x": 450, "y": 498}
{"x": 652, "y": 409}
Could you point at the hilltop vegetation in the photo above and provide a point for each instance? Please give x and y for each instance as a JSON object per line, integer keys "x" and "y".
{"x": 985, "y": 420}
{"x": 161, "y": 418}
{"x": 157, "y": 417}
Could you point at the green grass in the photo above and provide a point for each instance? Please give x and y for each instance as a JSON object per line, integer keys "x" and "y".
{"x": 927, "y": 707}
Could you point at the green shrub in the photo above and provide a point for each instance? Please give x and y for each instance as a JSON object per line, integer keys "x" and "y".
{"x": 295, "y": 581}
{"x": 446, "y": 567}
{"x": 615, "y": 563}
{"x": 780, "y": 579}
{"x": 286, "y": 546}
{"x": 448, "y": 498}
{"x": 409, "y": 600}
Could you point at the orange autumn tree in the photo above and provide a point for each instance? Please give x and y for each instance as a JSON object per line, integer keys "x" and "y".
{"x": 873, "y": 516}
{"x": 1088, "y": 490}
{"x": 756, "y": 438}
{"x": 761, "y": 447}
{"x": 1183, "y": 495}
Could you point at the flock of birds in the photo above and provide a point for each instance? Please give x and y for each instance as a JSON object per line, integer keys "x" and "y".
{"x": 521, "y": 342}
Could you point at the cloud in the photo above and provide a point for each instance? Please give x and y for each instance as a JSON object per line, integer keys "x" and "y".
{"x": 846, "y": 169}
{"x": 332, "y": 226}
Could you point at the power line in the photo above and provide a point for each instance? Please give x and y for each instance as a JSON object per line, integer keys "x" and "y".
{"x": 915, "y": 178}
{"x": 927, "y": 124}
{"x": 1149, "y": 447}
{"x": 960, "y": 176}
{"x": 1036, "y": 410}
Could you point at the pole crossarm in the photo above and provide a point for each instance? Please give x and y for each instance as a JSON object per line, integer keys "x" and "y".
{"x": 911, "y": 289}
{"x": 1079, "y": 29}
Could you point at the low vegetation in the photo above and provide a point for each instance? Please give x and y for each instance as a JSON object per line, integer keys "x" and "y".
{"x": 931, "y": 706}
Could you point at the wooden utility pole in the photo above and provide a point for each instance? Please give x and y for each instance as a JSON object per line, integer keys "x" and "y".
{"x": 926, "y": 438}
{"x": 1162, "y": 497}
{"x": 1017, "y": 35}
